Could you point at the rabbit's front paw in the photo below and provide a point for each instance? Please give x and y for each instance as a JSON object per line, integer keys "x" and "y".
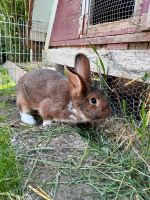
{"x": 73, "y": 118}
{"x": 47, "y": 123}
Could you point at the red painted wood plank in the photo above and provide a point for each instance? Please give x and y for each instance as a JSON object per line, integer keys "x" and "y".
{"x": 65, "y": 30}
{"x": 66, "y": 20}
{"x": 117, "y": 46}
{"x": 120, "y": 31}
{"x": 144, "y": 6}
{"x": 127, "y": 38}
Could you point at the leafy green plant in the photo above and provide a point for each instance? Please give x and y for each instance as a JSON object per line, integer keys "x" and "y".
{"x": 7, "y": 85}
{"x": 102, "y": 72}
{"x": 145, "y": 116}
{"x": 99, "y": 60}
{"x": 15, "y": 8}
{"x": 143, "y": 128}
{"x": 146, "y": 76}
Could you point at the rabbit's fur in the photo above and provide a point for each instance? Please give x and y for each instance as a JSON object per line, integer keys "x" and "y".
{"x": 58, "y": 98}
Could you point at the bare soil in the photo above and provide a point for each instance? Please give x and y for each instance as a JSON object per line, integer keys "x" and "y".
{"x": 51, "y": 158}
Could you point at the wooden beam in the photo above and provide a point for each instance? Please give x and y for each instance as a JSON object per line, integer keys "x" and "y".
{"x": 31, "y": 4}
{"x": 131, "y": 64}
{"x": 51, "y": 22}
{"x": 81, "y": 18}
{"x": 148, "y": 19}
{"x": 126, "y": 38}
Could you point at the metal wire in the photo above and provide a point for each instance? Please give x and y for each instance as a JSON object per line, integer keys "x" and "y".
{"x": 127, "y": 97}
{"x": 110, "y": 10}
{"x": 14, "y": 36}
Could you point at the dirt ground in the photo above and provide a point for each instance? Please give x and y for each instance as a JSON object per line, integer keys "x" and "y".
{"x": 51, "y": 158}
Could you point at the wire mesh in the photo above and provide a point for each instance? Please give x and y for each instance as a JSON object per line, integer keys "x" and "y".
{"x": 110, "y": 10}
{"x": 16, "y": 42}
{"x": 21, "y": 44}
{"x": 128, "y": 98}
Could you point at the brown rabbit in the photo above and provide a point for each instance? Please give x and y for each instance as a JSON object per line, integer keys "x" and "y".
{"x": 58, "y": 98}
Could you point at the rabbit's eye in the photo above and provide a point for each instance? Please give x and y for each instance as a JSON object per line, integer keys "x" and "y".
{"x": 93, "y": 101}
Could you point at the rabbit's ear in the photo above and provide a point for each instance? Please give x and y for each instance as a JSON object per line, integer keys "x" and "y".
{"x": 82, "y": 67}
{"x": 78, "y": 85}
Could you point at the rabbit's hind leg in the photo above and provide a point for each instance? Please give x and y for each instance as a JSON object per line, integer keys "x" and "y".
{"x": 26, "y": 117}
{"x": 45, "y": 112}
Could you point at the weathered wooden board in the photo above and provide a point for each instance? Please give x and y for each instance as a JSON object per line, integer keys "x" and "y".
{"x": 117, "y": 46}
{"x": 120, "y": 27}
{"x": 66, "y": 20}
{"x": 38, "y": 19}
{"x": 136, "y": 37}
{"x": 51, "y": 23}
{"x": 131, "y": 64}
{"x": 144, "y": 6}
{"x": 148, "y": 19}
{"x": 139, "y": 45}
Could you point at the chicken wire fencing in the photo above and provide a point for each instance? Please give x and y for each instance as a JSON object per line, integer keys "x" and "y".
{"x": 110, "y": 10}
{"x": 19, "y": 41}
{"x": 128, "y": 98}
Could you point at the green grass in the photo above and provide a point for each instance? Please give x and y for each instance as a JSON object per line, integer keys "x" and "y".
{"x": 110, "y": 169}
{"x": 2, "y": 118}
{"x": 117, "y": 173}
{"x": 7, "y": 85}
{"x": 9, "y": 174}
{"x": 4, "y": 105}
{"x": 9, "y": 170}
{"x": 123, "y": 174}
